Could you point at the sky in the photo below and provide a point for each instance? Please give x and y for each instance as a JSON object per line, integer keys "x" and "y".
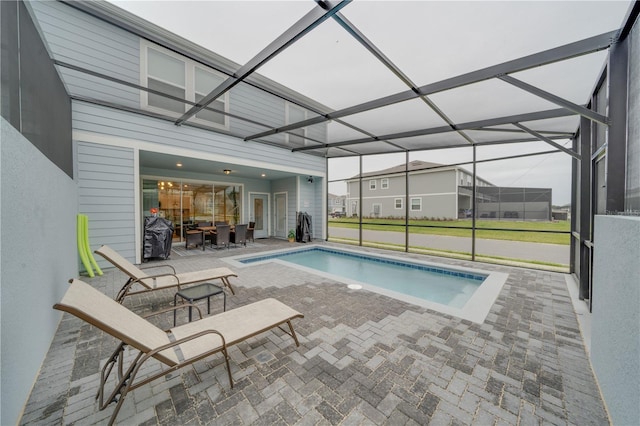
{"x": 429, "y": 41}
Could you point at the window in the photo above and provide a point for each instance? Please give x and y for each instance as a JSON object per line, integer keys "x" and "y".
{"x": 372, "y": 184}
{"x": 295, "y": 114}
{"x": 205, "y": 82}
{"x": 376, "y": 209}
{"x": 398, "y": 203}
{"x": 416, "y": 204}
{"x": 384, "y": 183}
{"x": 167, "y": 72}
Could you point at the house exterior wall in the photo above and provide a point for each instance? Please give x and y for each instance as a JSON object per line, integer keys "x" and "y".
{"x": 106, "y": 194}
{"x": 107, "y": 141}
{"x": 79, "y": 39}
{"x": 437, "y": 191}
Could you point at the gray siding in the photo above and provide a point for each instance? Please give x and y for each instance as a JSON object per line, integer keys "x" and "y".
{"x": 438, "y": 191}
{"x": 107, "y": 121}
{"x": 106, "y": 193}
{"x": 77, "y": 38}
{"x": 84, "y": 41}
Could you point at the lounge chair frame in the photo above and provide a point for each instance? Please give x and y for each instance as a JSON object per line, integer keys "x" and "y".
{"x": 138, "y": 276}
{"x": 83, "y": 301}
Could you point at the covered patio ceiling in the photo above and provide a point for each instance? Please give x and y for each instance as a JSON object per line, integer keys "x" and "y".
{"x": 393, "y": 77}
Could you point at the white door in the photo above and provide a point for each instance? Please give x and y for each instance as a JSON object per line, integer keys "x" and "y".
{"x": 259, "y": 213}
{"x": 280, "y": 211}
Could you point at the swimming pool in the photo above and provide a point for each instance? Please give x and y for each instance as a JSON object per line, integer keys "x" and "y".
{"x": 463, "y": 292}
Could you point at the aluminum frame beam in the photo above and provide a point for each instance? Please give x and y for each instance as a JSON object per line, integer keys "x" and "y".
{"x": 304, "y": 25}
{"x": 578, "y": 109}
{"x": 368, "y": 44}
{"x": 549, "y": 141}
{"x": 540, "y": 115}
{"x": 567, "y": 51}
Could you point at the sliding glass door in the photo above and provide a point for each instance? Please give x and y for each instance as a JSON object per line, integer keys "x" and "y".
{"x": 190, "y": 202}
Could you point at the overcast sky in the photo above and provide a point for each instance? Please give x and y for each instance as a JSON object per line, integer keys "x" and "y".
{"x": 429, "y": 41}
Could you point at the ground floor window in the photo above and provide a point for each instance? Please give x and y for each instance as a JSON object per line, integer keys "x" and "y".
{"x": 185, "y": 202}
{"x": 416, "y": 204}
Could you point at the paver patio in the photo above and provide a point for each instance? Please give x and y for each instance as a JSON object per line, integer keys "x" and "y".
{"x": 363, "y": 358}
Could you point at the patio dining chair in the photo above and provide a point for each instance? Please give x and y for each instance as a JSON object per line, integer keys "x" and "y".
{"x": 239, "y": 235}
{"x": 160, "y": 281}
{"x": 173, "y": 349}
{"x": 221, "y": 237}
{"x": 250, "y": 229}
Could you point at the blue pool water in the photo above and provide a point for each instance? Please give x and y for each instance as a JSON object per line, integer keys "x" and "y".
{"x": 433, "y": 283}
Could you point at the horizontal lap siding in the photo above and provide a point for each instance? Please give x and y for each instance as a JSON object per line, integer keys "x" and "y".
{"x": 106, "y": 195}
{"x": 84, "y": 41}
{"x": 107, "y": 121}
{"x": 79, "y": 39}
{"x": 257, "y": 105}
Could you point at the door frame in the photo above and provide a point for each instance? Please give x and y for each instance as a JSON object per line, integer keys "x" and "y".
{"x": 275, "y": 214}
{"x": 266, "y": 209}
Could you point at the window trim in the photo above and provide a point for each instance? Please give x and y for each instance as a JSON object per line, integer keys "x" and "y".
{"x": 395, "y": 203}
{"x": 373, "y": 184}
{"x": 189, "y": 86}
{"x": 384, "y": 183}
{"x": 411, "y": 204}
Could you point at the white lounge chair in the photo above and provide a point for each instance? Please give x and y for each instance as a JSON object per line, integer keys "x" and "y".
{"x": 161, "y": 280}
{"x": 175, "y": 348}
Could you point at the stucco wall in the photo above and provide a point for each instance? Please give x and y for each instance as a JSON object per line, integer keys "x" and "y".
{"x": 38, "y": 240}
{"x": 615, "y": 333}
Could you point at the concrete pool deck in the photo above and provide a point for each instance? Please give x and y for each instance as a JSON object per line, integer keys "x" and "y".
{"x": 364, "y": 358}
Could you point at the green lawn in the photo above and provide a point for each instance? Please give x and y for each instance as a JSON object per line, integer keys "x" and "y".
{"x": 492, "y": 230}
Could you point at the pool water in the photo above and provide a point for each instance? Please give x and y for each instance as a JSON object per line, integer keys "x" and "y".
{"x": 445, "y": 286}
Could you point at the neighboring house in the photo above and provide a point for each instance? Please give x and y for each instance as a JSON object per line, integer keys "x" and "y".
{"x": 441, "y": 192}
{"x": 435, "y": 191}
{"x": 337, "y": 204}
{"x": 131, "y": 157}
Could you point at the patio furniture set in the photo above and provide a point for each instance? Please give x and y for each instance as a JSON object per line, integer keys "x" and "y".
{"x": 219, "y": 234}
{"x": 179, "y": 346}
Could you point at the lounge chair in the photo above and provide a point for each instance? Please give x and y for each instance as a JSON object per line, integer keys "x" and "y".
{"x": 162, "y": 280}
{"x": 175, "y": 348}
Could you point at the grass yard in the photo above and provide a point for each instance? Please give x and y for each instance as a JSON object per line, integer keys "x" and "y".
{"x": 537, "y": 232}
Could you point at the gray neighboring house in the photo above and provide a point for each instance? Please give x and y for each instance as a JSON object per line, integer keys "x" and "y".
{"x": 337, "y": 204}
{"x": 442, "y": 192}
{"x": 435, "y": 191}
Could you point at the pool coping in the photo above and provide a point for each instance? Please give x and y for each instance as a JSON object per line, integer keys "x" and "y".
{"x": 475, "y": 310}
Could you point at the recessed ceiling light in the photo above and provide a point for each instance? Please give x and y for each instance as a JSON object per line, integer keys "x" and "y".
{"x": 226, "y": 171}
{"x": 178, "y": 164}
{"x": 263, "y": 175}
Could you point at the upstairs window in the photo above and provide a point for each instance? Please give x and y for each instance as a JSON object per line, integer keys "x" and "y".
{"x": 175, "y": 75}
{"x": 373, "y": 184}
{"x": 166, "y": 74}
{"x": 384, "y": 183}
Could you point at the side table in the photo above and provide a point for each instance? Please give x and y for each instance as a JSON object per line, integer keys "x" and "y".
{"x": 198, "y": 292}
